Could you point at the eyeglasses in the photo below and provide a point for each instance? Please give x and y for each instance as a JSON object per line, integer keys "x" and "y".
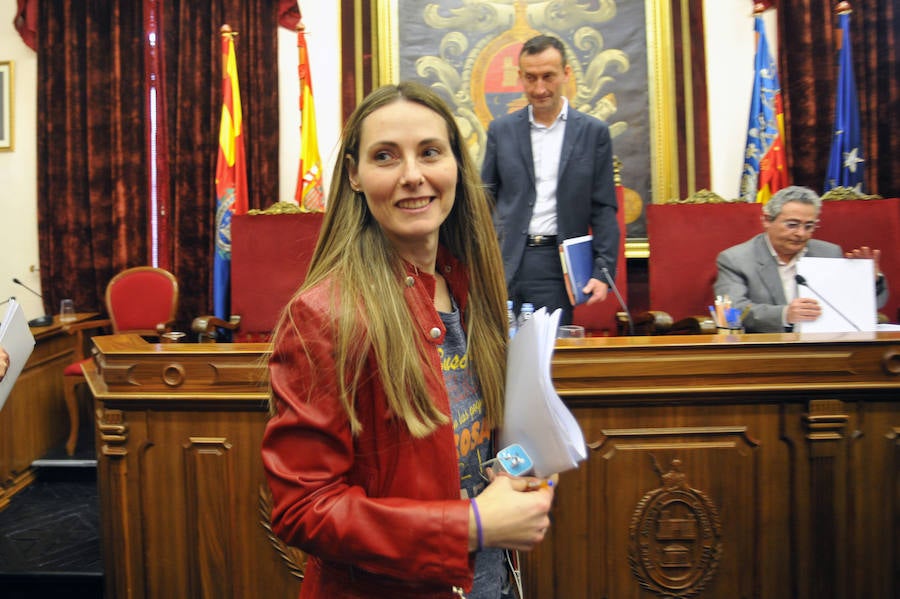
{"x": 795, "y": 225}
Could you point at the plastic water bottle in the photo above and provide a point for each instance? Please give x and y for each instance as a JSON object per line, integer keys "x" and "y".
{"x": 525, "y": 313}
{"x": 511, "y": 319}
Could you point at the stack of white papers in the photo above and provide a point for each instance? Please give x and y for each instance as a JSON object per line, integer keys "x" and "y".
{"x": 16, "y": 339}
{"x": 535, "y": 417}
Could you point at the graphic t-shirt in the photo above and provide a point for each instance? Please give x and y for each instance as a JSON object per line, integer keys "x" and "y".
{"x": 473, "y": 445}
{"x": 473, "y": 440}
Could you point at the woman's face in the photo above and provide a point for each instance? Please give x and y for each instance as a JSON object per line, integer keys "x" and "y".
{"x": 407, "y": 171}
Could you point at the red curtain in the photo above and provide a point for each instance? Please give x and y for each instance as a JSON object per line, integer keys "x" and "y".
{"x": 807, "y": 57}
{"x": 92, "y": 179}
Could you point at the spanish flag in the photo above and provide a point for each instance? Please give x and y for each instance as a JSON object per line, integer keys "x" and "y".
{"x": 765, "y": 157}
{"x": 231, "y": 175}
{"x": 309, "y": 194}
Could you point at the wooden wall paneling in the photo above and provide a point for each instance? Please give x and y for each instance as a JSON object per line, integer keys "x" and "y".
{"x": 34, "y": 418}
{"x": 179, "y": 430}
{"x": 874, "y": 480}
{"x": 770, "y": 428}
{"x": 720, "y": 466}
{"x": 120, "y": 514}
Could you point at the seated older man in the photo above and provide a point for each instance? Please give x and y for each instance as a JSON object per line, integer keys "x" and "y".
{"x": 760, "y": 273}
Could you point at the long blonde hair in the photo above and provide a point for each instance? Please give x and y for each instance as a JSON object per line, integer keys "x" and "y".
{"x": 353, "y": 252}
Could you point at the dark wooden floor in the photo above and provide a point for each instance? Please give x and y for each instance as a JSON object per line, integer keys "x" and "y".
{"x": 50, "y": 531}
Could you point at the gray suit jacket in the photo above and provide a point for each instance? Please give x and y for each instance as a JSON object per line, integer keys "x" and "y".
{"x": 586, "y": 194}
{"x": 748, "y": 274}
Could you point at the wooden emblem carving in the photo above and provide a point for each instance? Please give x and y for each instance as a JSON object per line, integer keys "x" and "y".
{"x": 675, "y": 538}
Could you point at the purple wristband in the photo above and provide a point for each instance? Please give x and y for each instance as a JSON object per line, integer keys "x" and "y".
{"x": 478, "y": 524}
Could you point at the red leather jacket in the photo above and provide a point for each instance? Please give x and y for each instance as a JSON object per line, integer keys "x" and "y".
{"x": 379, "y": 514}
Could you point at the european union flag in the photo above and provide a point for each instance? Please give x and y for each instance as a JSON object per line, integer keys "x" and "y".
{"x": 845, "y": 164}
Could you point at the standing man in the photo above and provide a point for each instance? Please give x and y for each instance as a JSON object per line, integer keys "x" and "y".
{"x": 549, "y": 169}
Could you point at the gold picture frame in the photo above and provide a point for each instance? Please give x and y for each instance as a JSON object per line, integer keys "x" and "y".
{"x": 7, "y": 122}
{"x": 665, "y": 164}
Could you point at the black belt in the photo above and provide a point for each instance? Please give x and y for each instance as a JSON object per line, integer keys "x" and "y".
{"x": 537, "y": 241}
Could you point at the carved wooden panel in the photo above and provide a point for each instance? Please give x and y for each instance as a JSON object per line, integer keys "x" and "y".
{"x": 663, "y": 525}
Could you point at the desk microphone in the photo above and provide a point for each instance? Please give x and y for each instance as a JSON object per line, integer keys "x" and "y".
{"x": 612, "y": 285}
{"x": 40, "y": 321}
{"x": 801, "y": 280}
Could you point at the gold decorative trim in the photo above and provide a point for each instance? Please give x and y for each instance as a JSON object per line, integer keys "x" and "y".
{"x": 661, "y": 79}
{"x": 847, "y": 193}
{"x": 637, "y": 248}
{"x": 278, "y": 208}
{"x": 690, "y": 132}
{"x": 704, "y": 196}
{"x": 386, "y": 40}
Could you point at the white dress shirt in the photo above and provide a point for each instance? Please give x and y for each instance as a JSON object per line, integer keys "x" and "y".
{"x": 546, "y": 150}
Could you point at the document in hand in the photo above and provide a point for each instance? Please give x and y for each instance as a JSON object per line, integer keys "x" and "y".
{"x": 16, "y": 339}
{"x": 577, "y": 257}
{"x": 535, "y": 417}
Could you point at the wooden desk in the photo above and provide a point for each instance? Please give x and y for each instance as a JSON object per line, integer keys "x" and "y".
{"x": 756, "y": 466}
{"x": 34, "y": 418}
{"x": 183, "y": 497}
{"x": 728, "y": 466}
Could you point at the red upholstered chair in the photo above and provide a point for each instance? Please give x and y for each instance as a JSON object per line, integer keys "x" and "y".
{"x": 141, "y": 300}
{"x": 684, "y": 242}
{"x": 874, "y": 223}
{"x": 270, "y": 255}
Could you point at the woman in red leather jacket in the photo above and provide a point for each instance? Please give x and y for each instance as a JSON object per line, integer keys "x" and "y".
{"x": 388, "y": 371}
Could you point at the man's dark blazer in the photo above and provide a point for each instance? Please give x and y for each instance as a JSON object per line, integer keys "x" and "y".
{"x": 585, "y": 192}
{"x": 748, "y": 274}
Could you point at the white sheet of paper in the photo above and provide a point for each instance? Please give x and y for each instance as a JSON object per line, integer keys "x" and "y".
{"x": 535, "y": 417}
{"x": 16, "y": 339}
{"x": 845, "y": 289}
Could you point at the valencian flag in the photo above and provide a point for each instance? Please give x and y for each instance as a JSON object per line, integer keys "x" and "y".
{"x": 231, "y": 175}
{"x": 765, "y": 164}
{"x": 309, "y": 194}
{"x": 845, "y": 165}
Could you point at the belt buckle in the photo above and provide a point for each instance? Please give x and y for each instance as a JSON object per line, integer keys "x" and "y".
{"x": 537, "y": 239}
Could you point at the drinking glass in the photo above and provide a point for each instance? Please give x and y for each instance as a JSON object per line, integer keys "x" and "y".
{"x": 67, "y": 311}
{"x": 570, "y": 331}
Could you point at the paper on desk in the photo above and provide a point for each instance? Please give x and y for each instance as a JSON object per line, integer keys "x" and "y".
{"x": 16, "y": 339}
{"x": 535, "y": 417}
{"x": 848, "y": 285}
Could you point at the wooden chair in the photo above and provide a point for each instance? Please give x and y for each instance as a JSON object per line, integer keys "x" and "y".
{"x": 141, "y": 300}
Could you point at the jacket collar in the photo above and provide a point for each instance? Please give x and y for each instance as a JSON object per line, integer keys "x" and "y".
{"x": 419, "y": 293}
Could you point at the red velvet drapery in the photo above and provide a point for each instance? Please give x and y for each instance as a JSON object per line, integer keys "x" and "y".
{"x": 92, "y": 178}
{"x": 808, "y": 69}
